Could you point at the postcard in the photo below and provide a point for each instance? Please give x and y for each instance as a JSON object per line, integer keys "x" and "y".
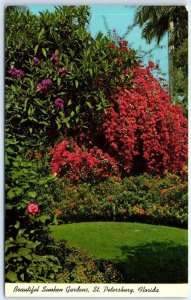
{"x": 96, "y": 151}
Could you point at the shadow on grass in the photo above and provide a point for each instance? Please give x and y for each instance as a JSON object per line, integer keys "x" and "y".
{"x": 154, "y": 263}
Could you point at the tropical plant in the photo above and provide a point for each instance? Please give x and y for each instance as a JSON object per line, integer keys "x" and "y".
{"x": 156, "y": 21}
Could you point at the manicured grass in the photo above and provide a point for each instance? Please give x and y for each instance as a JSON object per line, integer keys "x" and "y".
{"x": 143, "y": 253}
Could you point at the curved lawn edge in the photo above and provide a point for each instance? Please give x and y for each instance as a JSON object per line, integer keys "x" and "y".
{"x": 142, "y": 252}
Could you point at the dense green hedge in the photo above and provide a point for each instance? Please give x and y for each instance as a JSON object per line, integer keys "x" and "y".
{"x": 137, "y": 198}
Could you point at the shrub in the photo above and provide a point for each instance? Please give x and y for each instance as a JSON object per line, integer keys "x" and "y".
{"x": 78, "y": 267}
{"x": 30, "y": 253}
{"x": 136, "y": 198}
{"x": 58, "y": 78}
{"x": 24, "y": 257}
{"x": 30, "y": 194}
{"x": 143, "y": 130}
{"x": 78, "y": 165}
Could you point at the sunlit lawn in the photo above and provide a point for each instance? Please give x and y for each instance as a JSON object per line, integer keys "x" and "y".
{"x": 144, "y": 253}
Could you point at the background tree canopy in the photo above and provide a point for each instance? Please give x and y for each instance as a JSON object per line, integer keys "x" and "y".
{"x": 155, "y": 22}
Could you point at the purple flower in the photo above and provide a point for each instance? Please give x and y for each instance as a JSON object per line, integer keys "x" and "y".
{"x": 59, "y": 102}
{"x": 36, "y": 61}
{"x": 44, "y": 85}
{"x": 63, "y": 71}
{"x": 16, "y": 72}
{"x": 54, "y": 58}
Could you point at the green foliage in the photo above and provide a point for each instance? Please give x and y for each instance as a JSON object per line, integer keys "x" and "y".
{"x": 90, "y": 76}
{"x": 29, "y": 180}
{"x": 24, "y": 261}
{"x": 27, "y": 236}
{"x": 179, "y": 74}
{"x": 137, "y": 198}
{"x": 78, "y": 267}
{"x": 156, "y": 21}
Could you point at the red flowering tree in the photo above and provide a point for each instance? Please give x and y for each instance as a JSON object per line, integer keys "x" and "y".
{"x": 141, "y": 130}
{"x": 144, "y": 132}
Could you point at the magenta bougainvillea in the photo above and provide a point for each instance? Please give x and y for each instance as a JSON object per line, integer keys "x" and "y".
{"x": 79, "y": 165}
{"x": 143, "y": 130}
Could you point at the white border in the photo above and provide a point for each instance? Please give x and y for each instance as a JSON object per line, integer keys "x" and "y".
{"x": 91, "y": 290}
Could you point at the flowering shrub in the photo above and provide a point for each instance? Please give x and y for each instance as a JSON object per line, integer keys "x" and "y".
{"x": 136, "y": 198}
{"x": 30, "y": 192}
{"x": 78, "y": 69}
{"x": 62, "y": 96}
{"x": 78, "y": 165}
{"x": 144, "y": 131}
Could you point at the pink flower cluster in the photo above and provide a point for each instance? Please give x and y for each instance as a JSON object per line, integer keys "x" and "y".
{"x": 44, "y": 85}
{"x": 33, "y": 209}
{"x": 16, "y": 72}
{"x": 59, "y": 102}
{"x": 79, "y": 165}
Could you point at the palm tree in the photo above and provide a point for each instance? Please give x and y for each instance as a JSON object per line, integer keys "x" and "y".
{"x": 156, "y": 21}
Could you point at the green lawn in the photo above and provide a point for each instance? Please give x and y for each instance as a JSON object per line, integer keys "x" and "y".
{"x": 144, "y": 253}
